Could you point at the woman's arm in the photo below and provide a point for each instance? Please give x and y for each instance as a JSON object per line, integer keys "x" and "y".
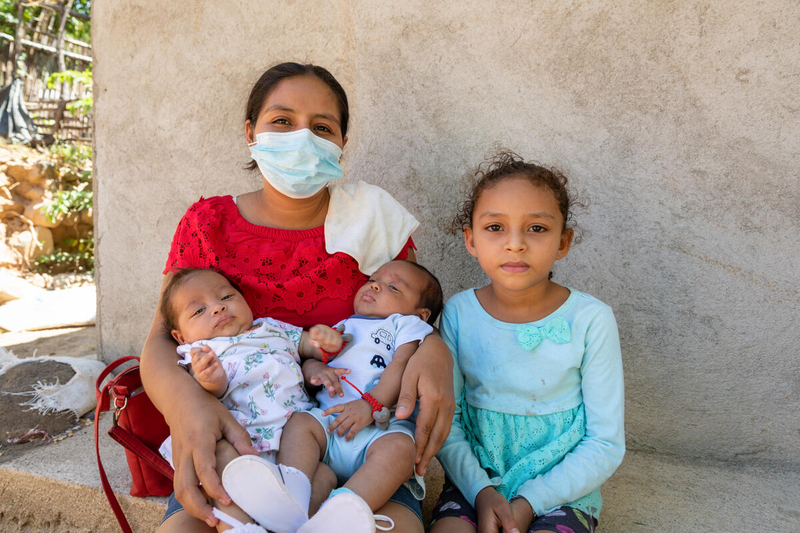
{"x": 429, "y": 377}
{"x": 196, "y": 419}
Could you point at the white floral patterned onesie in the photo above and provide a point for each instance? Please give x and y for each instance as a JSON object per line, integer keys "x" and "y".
{"x": 265, "y": 384}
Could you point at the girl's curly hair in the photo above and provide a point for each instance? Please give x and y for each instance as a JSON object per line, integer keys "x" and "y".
{"x": 507, "y": 164}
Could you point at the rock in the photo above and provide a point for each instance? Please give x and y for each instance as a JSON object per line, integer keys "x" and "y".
{"x": 71, "y": 219}
{"x": 45, "y": 238}
{"x": 15, "y": 224}
{"x": 29, "y": 191}
{"x": 22, "y": 243}
{"x": 33, "y": 172}
{"x": 34, "y": 213}
{"x": 9, "y": 201}
{"x": 72, "y": 279}
{"x": 5, "y": 205}
{"x": 8, "y": 256}
{"x": 14, "y": 288}
{"x": 41, "y": 280}
{"x": 63, "y": 233}
{"x": 5, "y": 181}
{"x": 42, "y": 242}
{"x": 87, "y": 216}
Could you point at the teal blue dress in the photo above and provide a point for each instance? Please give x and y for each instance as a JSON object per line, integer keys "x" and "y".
{"x": 540, "y": 411}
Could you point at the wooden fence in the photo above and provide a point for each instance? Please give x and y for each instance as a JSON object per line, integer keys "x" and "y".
{"x": 46, "y": 105}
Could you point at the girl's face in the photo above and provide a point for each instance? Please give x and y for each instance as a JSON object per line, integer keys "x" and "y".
{"x": 517, "y": 233}
{"x": 299, "y": 102}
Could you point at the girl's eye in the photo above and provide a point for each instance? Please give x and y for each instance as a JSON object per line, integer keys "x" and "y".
{"x": 280, "y": 121}
{"x": 538, "y": 229}
{"x": 323, "y": 128}
{"x": 494, "y": 227}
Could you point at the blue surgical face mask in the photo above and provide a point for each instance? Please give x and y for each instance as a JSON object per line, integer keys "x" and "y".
{"x": 297, "y": 163}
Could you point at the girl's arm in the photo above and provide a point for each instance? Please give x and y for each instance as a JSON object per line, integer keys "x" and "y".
{"x": 456, "y": 456}
{"x": 196, "y": 420}
{"x": 600, "y": 452}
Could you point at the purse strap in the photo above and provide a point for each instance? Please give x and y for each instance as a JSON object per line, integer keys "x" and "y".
{"x": 102, "y": 405}
{"x": 128, "y": 440}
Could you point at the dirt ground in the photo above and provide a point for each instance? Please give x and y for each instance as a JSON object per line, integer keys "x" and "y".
{"x": 76, "y": 342}
{"x": 16, "y": 421}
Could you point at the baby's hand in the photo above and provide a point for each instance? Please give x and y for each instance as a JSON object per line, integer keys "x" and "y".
{"x": 319, "y": 374}
{"x": 325, "y": 338}
{"x": 208, "y": 370}
{"x": 354, "y": 417}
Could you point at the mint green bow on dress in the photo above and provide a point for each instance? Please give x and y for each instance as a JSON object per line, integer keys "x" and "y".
{"x": 557, "y": 330}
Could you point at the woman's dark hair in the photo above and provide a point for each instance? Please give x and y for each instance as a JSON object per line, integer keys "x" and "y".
{"x": 507, "y": 164}
{"x": 272, "y": 77}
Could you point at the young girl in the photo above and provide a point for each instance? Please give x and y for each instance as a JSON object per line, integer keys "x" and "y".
{"x": 538, "y": 370}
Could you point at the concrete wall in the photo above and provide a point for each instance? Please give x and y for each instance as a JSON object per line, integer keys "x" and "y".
{"x": 679, "y": 120}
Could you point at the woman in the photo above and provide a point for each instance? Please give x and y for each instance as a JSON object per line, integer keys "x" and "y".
{"x": 299, "y": 250}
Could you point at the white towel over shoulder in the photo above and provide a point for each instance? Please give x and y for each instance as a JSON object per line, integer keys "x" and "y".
{"x": 366, "y": 223}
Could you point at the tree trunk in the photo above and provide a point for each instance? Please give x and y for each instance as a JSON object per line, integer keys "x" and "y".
{"x": 62, "y": 30}
{"x": 18, "y": 35}
{"x": 62, "y": 65}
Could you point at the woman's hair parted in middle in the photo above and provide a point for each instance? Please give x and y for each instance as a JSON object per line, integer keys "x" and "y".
{"x": 507, "y": 164}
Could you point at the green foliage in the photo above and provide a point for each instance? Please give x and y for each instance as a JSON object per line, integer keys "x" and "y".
{"x": 83, "y": 105}
{"x": 80, "y": 259}
{"x": 68, "y": 201}
{"x": 76, "y": 29}
{"x": 71, "y": 155}
{"x": 73, "y": 180}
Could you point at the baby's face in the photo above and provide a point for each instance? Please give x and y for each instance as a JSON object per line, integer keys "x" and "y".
{"x": 207, "y": 306}
{"x": 395, "y": 287}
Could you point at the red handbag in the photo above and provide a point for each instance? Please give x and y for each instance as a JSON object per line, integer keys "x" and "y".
{"x": 139, "y": 427}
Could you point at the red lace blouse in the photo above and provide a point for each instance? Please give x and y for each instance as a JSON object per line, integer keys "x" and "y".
{"x": 283, "y": 274}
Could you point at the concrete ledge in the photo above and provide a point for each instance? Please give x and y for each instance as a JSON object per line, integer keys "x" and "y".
{"x": 56, "y": 488}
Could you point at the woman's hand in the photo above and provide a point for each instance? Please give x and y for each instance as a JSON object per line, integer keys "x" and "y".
{"x": 429, "y": 377}
{"x": 319, "y": 374}
{"x": 494, "y": 512}
{"x": 195, "y": 428}
{"x": 354, "y": 417}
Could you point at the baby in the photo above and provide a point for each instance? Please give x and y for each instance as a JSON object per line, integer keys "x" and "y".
{"x": 392, "y": 309}
{"x": 251, "y": 365}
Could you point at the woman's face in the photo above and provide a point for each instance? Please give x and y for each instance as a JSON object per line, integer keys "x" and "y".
{"x": 300, "y": 102}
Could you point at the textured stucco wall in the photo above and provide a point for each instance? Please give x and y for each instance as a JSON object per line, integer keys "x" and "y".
{"x": 679, "y": 120}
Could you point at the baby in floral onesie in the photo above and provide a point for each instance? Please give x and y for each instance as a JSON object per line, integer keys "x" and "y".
{"x": 252, "y": 366}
